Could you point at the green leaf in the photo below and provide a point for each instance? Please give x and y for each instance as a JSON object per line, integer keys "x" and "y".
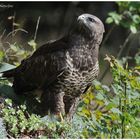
{"x": 116, "y": 17}
{"x": 109, "y": 20}
{"x": 110, "y": 105}
{"x": 116, "y": 110}
{"x": 14, "y": 47}
{"x": 133, "y": 29}
{"x": 86, "y": 111}
{"x": 1, "y": 55}
{"x": 33, "y": 44}
{"x": 99, "y": 96}
{"x": 136, "y": 19}
{"x": 6, "y": 66}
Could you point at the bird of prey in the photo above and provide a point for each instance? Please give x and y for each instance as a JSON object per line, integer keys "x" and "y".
{"x": 62, "y": 69}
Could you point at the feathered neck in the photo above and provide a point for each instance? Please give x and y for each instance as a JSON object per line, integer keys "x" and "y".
{"x": 84, "y": 34}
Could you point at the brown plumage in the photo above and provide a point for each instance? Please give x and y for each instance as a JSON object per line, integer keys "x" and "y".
{"x": 62, "y": 69}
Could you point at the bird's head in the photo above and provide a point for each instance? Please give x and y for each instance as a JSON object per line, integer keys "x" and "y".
{"x": 90, "y": 26}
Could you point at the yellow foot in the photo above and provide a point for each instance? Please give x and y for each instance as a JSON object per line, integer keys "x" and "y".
{"x": 59, "y": 116}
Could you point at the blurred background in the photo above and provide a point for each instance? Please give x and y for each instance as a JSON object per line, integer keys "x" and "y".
{"x": 22, "y": 22}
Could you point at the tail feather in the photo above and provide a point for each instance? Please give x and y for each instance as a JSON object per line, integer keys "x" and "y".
{"x": 9, "y": 73}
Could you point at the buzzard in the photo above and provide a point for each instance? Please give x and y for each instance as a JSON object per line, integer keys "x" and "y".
{"x": 62, "y": 69}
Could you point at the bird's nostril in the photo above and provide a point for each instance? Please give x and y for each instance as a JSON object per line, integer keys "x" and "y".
{"x": 81, "y": 17}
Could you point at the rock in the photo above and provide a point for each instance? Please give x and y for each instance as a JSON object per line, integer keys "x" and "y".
{"x": 3, "y": 133}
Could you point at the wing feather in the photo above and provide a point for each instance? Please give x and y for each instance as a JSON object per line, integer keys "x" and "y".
{"x": 42, "y": 68}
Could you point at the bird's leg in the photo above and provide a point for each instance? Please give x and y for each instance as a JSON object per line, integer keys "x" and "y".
{"x": 59, "y": 104}
{"x": 59, "y": 108}
{"x": 53, "y": 102}
{"x": 70, "y": 106}
{"x": 73, "y": 108}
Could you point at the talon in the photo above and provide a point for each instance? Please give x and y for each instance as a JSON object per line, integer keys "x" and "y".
{"x": 59, "y": 116}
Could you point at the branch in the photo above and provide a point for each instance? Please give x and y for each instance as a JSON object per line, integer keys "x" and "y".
{"x": 13, "y": 24}
{"x": 107, "y": 35}
{"x": 15, "y": 31}
{"x": 36, "y": 28}
{"x": 2, "y": 34}
{"x": 124, "y": 45}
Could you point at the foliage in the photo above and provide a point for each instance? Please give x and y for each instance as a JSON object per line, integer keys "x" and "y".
{"x": 19, "y": 123}
{"x": 127, "y": 16}
{"x": 113, "y": 112}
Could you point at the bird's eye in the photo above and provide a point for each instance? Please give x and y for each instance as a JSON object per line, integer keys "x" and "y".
{"x": 91, "y": 19}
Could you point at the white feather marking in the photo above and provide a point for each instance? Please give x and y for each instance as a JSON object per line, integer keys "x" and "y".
{"x": 1, "y": 74}
{"x": 45, "y": 63}
{"x": 69, "y": 60}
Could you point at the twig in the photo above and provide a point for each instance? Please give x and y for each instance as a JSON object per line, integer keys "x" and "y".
{"x": 15, "y": 31}
{"x": 129, "y": 47}
{"x": 36, "y": 28}
{"x": 125, "y": 108}
{"x": 3, "y": 34}
{"x": 107, "y": 35}
{"x": 10, "y": 136}
{"x": 124, "y": 45}
{"x": 13, "y": 24}
{"x": 2, "y": 47}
